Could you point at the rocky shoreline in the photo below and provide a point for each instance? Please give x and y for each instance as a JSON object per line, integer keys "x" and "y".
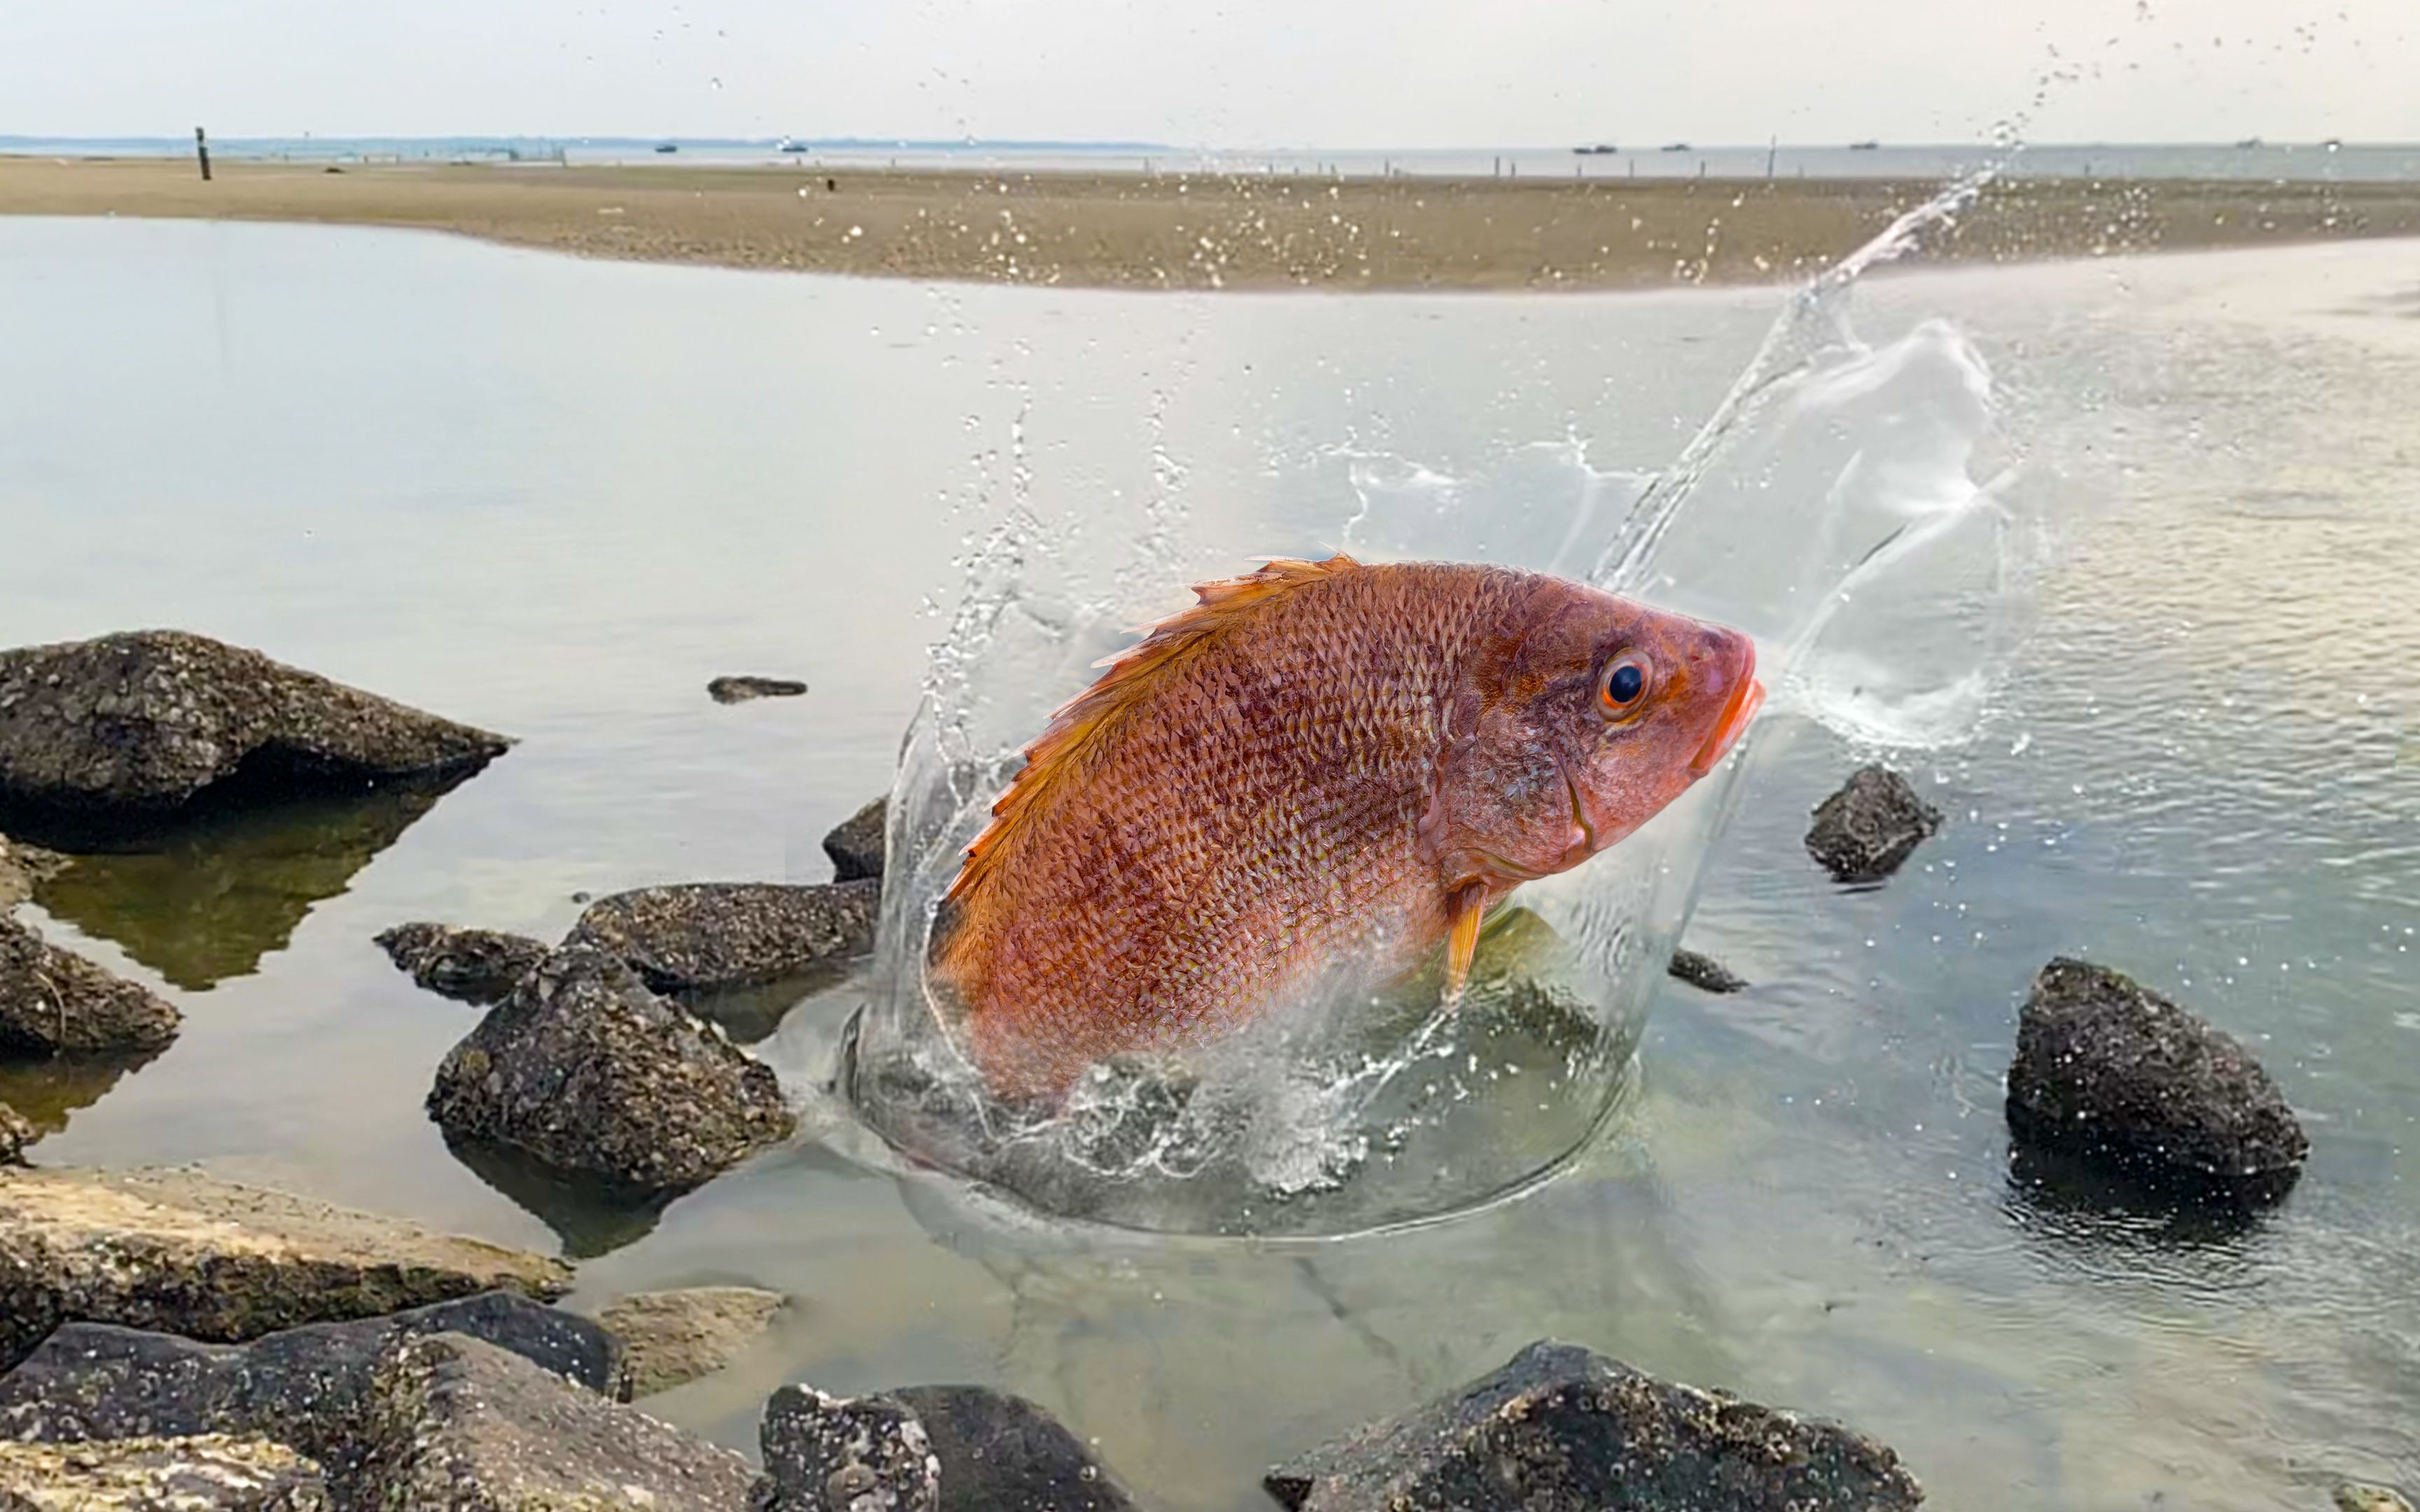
{"x": 170, "y": 1339}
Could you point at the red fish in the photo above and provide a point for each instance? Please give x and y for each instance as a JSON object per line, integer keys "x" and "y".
{"x": 1317, "y": 761}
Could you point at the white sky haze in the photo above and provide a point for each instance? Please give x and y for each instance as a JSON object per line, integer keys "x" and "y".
{"x": 1341, "y": 73}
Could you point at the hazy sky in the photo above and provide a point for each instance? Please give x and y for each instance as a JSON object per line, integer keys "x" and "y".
{"x": 1253, "y": 72}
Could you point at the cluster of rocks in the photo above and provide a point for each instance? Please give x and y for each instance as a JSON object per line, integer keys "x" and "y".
{"x": 248, "y": 1350}
{"x": 591, "y": 1062}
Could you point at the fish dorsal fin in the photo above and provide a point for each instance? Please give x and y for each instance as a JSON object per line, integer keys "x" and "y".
{"x": 1130, "y": 678}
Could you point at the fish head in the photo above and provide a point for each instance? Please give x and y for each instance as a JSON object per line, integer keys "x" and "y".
{"x": 1591, "y": 714}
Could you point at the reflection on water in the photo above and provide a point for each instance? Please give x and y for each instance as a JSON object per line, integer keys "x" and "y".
{"x": 2193, "y": 773}
{"x": 50, "y": 1093}
{"x": 204, "y": 896}
{"x": 589, "y": 1217}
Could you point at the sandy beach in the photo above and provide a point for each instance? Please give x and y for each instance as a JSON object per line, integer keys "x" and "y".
{"x": 1249, "y": 232}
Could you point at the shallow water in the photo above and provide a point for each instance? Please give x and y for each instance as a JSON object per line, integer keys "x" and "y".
{"x": 554, "y": 497}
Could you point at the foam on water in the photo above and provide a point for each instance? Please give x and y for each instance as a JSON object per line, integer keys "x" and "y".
{"x": 1842, "y": 506}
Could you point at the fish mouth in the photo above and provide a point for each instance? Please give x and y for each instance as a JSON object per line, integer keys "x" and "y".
{"x": 1747, "y": 696}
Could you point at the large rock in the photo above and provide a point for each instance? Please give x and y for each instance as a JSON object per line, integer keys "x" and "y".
{"x": 21, "y": 867}
{"x": 858, "y": 845}
{"x": 841, "y": 1453}
{"x": 212, "y": 1473}
{"x": 475, "y": 966}
{"x": 308, "y": 1387}
{"x": 1562, "y": 1429}
{"x": 16, "y": 1133}
{"x": 674, "y": 1337}
{"x": 2114, "y": 1073}
{"x": 1865, "y": 831}
{"x": 588, "y": 1071}
{"x": 179, "y": 1251}
{"x": 704, "y": 935}
{"x": 457, "y": 1424}
{"x": 55, "y": 1003}
{"x": 146, "y": 720}
{"x": 1000, "y": 1453}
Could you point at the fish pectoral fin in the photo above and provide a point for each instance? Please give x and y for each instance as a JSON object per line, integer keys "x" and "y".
{"x": 1469, "y": 905}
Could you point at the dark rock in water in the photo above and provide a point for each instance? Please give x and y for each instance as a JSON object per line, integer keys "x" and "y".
{"x": 839, "y": 1454}
{"x": 1562, "y": 1428}
{"x": 588, "y": 1071}
{"x": 307, "y": 1387}
{"x": 212, "y": 1473}
{"x": 16, "y": 1133}
{"x": 1865, "y": 831}
{"x": 674, "y": 1337}
{"x": 704, "y": 935}
{"x": 2115, "y": 1073}
{"x": 456, "y": 1424}
{"x": 476, "y": 966}
{"x": 53, "y": 1003}
{"x": 146, "y": 720}
{"x": 1000, "y": 1453}
{"x": 22, "y": 865}
{"x": 179, "y": 1251}
{"x": 1705, "y": 973}
{"x": 856, "y": 846}
{"x": 741, "y": 689}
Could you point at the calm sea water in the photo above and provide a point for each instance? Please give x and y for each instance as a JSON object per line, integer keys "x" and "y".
{"x": 1932, "y": 163}
{"x": 555, "y": 497}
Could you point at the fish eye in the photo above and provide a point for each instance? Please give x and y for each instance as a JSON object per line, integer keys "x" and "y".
{"x": 1622, "y": 689}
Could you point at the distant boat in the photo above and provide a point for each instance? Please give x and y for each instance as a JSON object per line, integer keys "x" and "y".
{"x": 2249, "y": 142}
{"x": 2333, "y": 144}
{"x": 790, "y": 146}
{"x": 668, "y": 146}
{"x": 1865, "y": 146}
{"x": 1675, "y": 146}
{"x": 1594, "y": 149}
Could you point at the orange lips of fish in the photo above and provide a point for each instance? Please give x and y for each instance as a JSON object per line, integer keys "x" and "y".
{"x": 1320, "y": 762}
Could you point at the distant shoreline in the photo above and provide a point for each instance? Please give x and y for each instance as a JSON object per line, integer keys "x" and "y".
{"x": 1197, "y": 232}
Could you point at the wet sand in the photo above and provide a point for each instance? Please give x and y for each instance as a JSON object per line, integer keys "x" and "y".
{"x": 1252, "y": 232}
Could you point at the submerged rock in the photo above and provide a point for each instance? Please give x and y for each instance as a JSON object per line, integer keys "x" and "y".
{"x": 54, "y": 1003}
{"x": 1705, "y": 973}
{"x": 16, "y": 1133}
{"x": 704, "y": 935}
{"x": 179, "y": 1251}
{"x": 209, "y": 1473}
{"x": 1864, "y": 832}
{"x": 146, "y": 720}
{"x": 841, "y": 1453}
{"x": 21, "y": 867}
{"x": 741, "y": 689}
{"x": 1000, "y": 1453}
{"x": 857, "y": 846}
{"x": 674, "y": 1337}
{"x": 307, "y": 1387}
{"x": 2115, "y": 1075}
{"x": 475, "y": 966}
{"x": 1562, "y": 1427}
{"x": 454, "y": 1422}
{"x": 588, "y": 1071}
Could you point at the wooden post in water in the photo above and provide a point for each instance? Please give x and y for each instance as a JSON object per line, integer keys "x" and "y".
{"x": 1771, "y": 150}
{"x": 202, "y": 152}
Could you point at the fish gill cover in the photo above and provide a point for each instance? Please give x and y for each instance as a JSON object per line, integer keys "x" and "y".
{"x": 1842, "y": 506}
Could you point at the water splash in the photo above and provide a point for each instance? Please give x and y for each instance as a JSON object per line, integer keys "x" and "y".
{"x": 1830, "y": 507}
